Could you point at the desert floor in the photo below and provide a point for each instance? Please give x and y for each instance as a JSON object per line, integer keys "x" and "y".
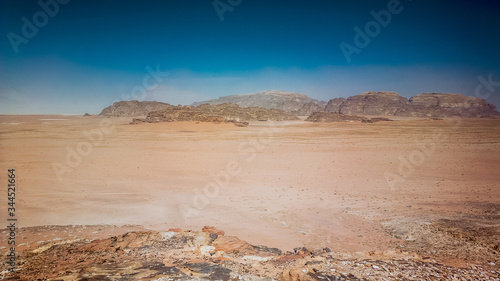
{"x": 430, "y": 187}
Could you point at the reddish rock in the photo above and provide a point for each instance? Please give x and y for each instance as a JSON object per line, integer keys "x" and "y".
{"x": 232, "y": 244}
{"x": 213, "y": 230}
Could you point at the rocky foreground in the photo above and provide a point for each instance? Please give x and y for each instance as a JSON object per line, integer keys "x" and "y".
{"x": 211, "y": 255}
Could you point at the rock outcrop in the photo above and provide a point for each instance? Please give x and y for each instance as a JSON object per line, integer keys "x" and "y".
{"x": 334, "y": 105}
{"x": 296, "y": 103}
{"x": 211, "y": 255}
{"x": 447, "y": 105}
{"x": 307, "y": 109}
{"x": 338, "y": 117}
{"x": 217, "y": 113}
{"x": 432, "y": 105}
{"x": 374, "y": 103}
{"x": 133, "y": 108}
{"x": 333, "y": 117}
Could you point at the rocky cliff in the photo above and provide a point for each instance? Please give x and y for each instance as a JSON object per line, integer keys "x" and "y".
{"x": 296, "y": 103}
{"x": 333, "y": 105}
{"x": 446, "y": 105}
{"x": 423, "y": 105}
{"x": 217, "y": 113}
{"x": 373, "y": 103}
{"x": 133, "y": 108}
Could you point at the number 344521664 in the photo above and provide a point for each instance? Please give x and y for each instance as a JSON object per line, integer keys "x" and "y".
{"x": 11, "y": 192}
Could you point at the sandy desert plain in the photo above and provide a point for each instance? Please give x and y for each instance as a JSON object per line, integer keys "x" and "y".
{"x": 280, "y": 184}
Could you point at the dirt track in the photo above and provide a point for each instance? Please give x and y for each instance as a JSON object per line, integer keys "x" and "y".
{"x": 278, "y": 184}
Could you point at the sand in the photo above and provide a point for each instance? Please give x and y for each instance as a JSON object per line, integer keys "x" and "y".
{"x": 280, "y": 184}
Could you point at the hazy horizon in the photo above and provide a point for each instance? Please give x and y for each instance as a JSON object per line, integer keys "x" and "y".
{"x": 72, "y": 57}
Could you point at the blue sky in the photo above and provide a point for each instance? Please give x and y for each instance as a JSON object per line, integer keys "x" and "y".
{"x": 88, "y": 54}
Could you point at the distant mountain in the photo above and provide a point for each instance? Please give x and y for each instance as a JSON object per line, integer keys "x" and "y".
{"x": 430, "y": 105}
{"x": 423, "y": 105}
{"x": 295, "y": 103}
{"x": 446, "y": 105}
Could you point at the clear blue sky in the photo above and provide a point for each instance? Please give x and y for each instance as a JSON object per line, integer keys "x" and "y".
{"x": 88, "y": 54}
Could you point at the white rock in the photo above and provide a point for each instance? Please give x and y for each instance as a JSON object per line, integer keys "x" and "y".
{"x": 206, "y": 250}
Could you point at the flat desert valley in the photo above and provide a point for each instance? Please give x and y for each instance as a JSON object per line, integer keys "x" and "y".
{"x": 427, "y": 188}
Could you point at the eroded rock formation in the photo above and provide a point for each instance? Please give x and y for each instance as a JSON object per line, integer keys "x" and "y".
{"x": 133, "y": 108}
{"x": 296, "y": 103}
{"x": 432, "y": 105}
{"x": 218, "y": 113}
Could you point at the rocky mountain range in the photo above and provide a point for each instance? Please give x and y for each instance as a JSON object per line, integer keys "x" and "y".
{"x": 423, "y": 105}
{"x": 254, "y": 106}
{"x": 295, "y": 103}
